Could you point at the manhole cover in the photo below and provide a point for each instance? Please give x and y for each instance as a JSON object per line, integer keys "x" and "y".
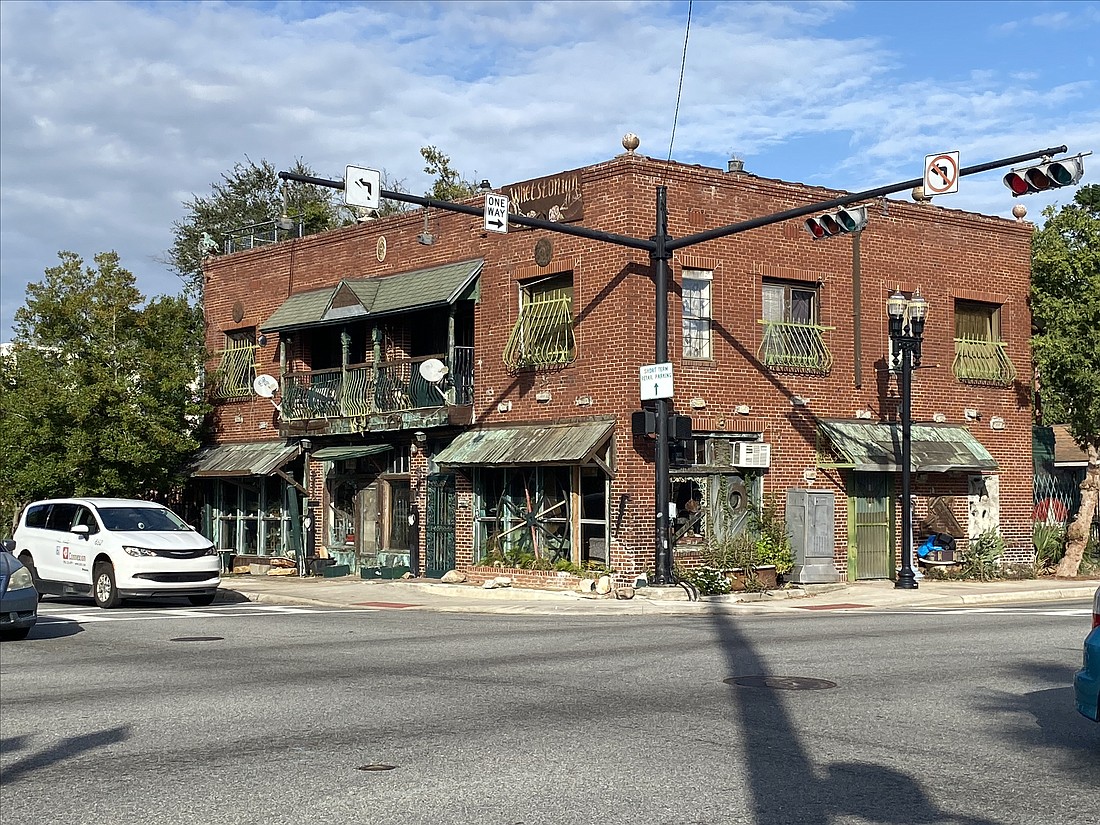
{"x": 198, "y": 639}
{"x": 376, "y": 766}
{"x": 781, "y": 682}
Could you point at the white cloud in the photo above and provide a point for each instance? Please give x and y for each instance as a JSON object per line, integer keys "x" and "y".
{"x": 115, "y": 113}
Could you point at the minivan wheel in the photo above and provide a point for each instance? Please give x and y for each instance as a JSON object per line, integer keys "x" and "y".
{"x": 28, "y": 562}
{"x": 202, "y": 600}
{"x": 103, "y": 587}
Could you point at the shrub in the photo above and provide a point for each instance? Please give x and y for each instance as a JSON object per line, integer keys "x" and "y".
{"x": 707, "y": 580}
{"x": 1050, "y": 544}
{"x": 981, "y": 559}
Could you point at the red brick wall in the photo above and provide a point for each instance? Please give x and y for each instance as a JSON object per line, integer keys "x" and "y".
{"x": 948, "y": 254}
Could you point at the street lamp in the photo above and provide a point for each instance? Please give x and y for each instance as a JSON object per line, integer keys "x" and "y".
{"x": 906, "y": 332}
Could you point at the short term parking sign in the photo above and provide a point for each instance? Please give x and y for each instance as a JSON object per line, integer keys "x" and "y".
{"x": 656, "y": 381}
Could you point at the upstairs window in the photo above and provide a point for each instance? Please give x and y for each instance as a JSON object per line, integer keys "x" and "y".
{"x": 237, "y": 370}
{"x": 793, "y": 341}
{"x": 980, "y": 353}
{"x": 543, "y": 334}
{"x": 697, "y": 313}
{"x": 789, "y": 304}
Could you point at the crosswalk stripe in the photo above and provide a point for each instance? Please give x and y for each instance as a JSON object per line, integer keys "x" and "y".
{"x": 51, "y": 616}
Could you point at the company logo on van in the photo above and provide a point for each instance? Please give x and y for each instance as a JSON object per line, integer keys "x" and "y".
{"x": 75, "y": 558}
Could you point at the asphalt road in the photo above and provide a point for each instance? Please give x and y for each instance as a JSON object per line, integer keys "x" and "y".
{"x": 259, "y": 714}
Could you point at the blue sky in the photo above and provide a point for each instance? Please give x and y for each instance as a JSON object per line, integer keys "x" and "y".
{"x": 113, "y": 114}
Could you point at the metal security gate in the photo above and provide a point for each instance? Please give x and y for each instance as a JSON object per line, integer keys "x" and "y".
{"x": 439, "y": 529}
{"x": 870, "y": 527}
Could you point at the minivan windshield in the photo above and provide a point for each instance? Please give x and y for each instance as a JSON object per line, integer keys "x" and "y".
{"x": 141, "y": 518}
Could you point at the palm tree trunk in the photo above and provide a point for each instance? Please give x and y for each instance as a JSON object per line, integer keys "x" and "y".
{"x": 1077, "y": 536}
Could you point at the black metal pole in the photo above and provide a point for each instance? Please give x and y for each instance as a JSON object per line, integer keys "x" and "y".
{"x": 907, "y": 579}
{"x": 660, "y": 257}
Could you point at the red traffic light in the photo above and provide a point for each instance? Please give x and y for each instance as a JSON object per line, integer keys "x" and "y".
{"x": 1050, "y": 175}
{"x": 851, "y": 219}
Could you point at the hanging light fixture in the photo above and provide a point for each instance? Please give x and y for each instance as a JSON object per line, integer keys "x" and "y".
{"x": 426, "y": 237}
{"x": 284, "y": 221}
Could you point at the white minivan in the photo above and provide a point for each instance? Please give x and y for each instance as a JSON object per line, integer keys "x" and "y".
{"x": 114, "y": 548}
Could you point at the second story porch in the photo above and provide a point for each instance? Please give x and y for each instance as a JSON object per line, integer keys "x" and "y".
{"x": 385, "y": 353}
{"x": 394, "y": 394}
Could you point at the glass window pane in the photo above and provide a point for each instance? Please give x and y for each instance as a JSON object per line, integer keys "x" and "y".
{"x": 974, "y": 321}
{"x": 802, "y": 306}
{"x": 773, "y": 301}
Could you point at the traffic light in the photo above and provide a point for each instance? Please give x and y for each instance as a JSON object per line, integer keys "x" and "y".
{"x": 1050, "y": 175}
{"x": 841, "y": 222}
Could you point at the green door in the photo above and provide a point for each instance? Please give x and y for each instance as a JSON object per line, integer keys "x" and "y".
{"x": 870, "y": 527}
{"x": 439, "y": 527}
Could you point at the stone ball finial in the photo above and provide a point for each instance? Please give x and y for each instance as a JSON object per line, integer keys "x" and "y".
{"x": 631, "y": 142}
{"x": 918, "y": 195}
{"x": 1019, "y": 211}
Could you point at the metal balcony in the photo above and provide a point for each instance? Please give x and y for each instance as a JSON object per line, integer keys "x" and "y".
{"x": 364, "y": 390}
{"x": 798, "y": 348}
{"x": 983, "y": 362}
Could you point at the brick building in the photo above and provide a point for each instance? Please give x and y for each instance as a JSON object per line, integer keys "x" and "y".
{"x": 469, "y": 393}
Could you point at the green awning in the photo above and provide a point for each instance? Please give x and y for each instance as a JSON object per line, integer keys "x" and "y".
{"x": 935, "y": 448}
{"x": 254, "y": 458}
{"x": 372, "y": 297}
{"x": 345, "y": 453}
{"x": 580, "y": 443}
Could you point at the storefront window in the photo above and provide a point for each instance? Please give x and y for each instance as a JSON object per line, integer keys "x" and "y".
{"x": 525, "y": 515}
{"x": 251, "y": 517}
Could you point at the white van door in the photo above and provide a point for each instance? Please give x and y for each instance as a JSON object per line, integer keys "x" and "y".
{"x": 84, "y": 546}
{"x": 60, "y": 557}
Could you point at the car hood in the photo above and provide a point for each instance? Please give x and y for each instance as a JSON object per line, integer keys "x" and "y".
{"x": 167, "y": 540}
{"x": 8, "y": 563}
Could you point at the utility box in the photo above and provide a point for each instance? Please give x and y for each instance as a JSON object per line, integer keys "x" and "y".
{"x": 811, "y": 515}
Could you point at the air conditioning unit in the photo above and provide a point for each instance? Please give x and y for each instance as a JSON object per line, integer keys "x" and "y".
{"x": 752, "y": 454}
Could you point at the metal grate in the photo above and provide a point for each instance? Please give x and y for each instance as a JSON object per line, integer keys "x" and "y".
{"x": 236, "y": 372}
{"x": 798, "y": 348}
{"x": 543, "y": 334}
{"x": 983, "y": 362}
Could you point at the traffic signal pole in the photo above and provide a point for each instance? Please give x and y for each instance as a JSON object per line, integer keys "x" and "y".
{"x": 660, "y": 255}
{"x": 660, "y": 248}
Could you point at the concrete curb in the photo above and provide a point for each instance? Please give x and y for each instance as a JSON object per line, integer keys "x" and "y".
{"x": 516, "y": 601}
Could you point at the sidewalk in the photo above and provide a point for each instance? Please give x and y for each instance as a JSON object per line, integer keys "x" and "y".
{"x": 431, "y": 594}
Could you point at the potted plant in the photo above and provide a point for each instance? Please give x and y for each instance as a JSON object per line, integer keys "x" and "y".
{"x": 736, "y": 559}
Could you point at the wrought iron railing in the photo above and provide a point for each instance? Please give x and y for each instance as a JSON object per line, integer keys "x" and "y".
{"x": 235, "y": 373}
{"x": 795, "y": 348}
{"x": 543, "y": 334}
{"x": 360, "y": 390}
{"x": 983, "y": 362}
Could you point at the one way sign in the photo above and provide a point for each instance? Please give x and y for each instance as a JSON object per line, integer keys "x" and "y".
{"x": 496, "y": 213}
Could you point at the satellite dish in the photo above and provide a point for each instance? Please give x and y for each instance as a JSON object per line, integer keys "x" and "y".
{"x": 265, "y": 386}
{"x": 433, "y": 370}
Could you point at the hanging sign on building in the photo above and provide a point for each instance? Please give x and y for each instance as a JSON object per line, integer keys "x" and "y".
{"x": 554, "y": 198}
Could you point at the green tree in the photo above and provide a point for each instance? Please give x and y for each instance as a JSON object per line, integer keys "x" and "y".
{"x": 249, "y": 195}
{"x": 449, "y": 184}
{"x": 100, "y": 389}
{"x": 1065, "y": 307}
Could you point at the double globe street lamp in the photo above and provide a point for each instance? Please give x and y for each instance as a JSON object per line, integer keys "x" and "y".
{"x": 907, "y": 317}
